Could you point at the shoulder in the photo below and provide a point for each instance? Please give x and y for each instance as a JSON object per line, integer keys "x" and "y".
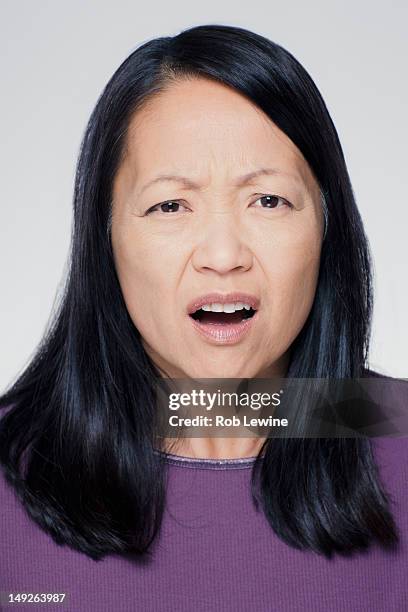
{"x": 391, "y": 458}
{"x": 10, "y": 503}
{"x": 389, "y": 392}
{"x": 13, "y": 519}
{"x": 9, "y": 500}
{"x": 391, "y": 448}
{"x": 371, "y": 373}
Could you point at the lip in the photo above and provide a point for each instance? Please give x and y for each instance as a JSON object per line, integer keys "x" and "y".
{"x": 223, "y": 298}
{"x": 224, "y": 333}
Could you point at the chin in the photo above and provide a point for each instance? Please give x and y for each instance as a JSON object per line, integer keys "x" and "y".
{"x": 225, "y": 371}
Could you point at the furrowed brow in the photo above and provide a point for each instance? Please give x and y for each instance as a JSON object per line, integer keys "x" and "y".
{"x": 239, "y": 182}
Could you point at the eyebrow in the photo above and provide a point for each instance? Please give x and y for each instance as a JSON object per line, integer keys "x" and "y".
{"x": 239, "y": 182}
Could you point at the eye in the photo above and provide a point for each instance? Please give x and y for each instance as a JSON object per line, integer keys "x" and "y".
{"x": 272, "y": 201}
{"x": 168, "y": 207}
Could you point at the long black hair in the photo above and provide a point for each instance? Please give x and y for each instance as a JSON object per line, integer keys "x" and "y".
{"x": 76, "y": 442}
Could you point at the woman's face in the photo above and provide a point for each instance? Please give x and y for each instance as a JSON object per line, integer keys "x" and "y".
{"x": 244, "y": 216}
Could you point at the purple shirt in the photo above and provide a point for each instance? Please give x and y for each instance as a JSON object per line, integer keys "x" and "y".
{"x": 215, "y": 553}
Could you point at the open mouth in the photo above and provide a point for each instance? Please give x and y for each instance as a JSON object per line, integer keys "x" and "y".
{"x": 222, "y": 318}
{"x": 224, "y": 322}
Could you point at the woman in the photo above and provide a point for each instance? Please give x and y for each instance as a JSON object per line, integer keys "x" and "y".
{"x": 210, "y": 179}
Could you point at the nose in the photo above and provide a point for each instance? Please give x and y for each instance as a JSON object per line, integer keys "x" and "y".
{"x": 221, "y": 247}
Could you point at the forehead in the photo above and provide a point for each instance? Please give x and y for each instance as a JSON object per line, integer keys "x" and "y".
{"x": 197, "y": 126}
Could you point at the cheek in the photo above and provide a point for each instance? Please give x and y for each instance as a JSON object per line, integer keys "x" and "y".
{"x": 146, "y": 277}
{"x": 293, "y": 273}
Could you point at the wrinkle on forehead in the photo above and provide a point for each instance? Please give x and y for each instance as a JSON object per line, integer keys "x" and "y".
{"x": 230, "y": 130}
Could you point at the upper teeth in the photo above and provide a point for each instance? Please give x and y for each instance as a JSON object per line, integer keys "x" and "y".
{"x": 232, "y": 307}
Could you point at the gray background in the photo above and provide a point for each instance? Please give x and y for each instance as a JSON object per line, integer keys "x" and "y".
{"x": 56, "y": 58}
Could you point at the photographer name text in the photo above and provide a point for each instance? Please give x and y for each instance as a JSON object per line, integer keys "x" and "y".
{"x": 222, "y": 421}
